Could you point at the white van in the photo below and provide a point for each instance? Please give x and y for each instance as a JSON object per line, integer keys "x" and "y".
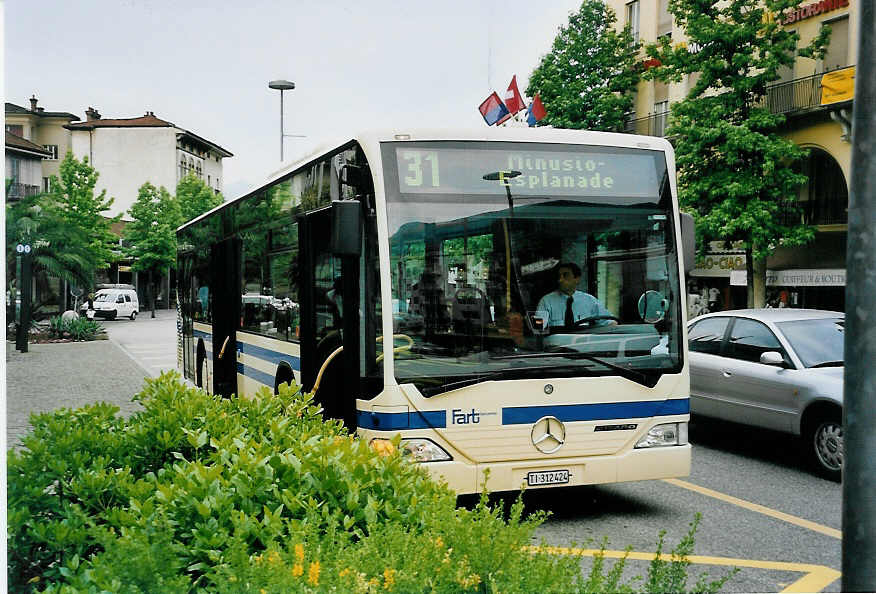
{"x": 114, "y": 303}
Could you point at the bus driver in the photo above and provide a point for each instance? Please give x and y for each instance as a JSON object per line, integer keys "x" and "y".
{"x": 562, "y": 308}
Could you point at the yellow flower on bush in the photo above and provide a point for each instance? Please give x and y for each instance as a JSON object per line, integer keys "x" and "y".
{"x": 297, "y": 571}
{"x": 389, "y": 578}
{"x": 439, "y": 542}
{"x": 313, "y": 574}
{"x": 299, "y": 552}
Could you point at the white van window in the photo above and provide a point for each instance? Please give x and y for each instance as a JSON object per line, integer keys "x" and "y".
{"x": 128, "y": 298}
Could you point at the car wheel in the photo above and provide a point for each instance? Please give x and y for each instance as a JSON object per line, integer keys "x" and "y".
{"x": 826, "y": 441}
{"x": 133, "y": 315}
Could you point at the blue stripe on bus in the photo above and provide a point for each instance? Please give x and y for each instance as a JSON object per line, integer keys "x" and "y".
{"x": 437, "y": 419}
{"x": 260, "y": 376}
{"x": 596, "y": 412}
{"x": 269, "y": 355}
{"x": 427, "y": 419}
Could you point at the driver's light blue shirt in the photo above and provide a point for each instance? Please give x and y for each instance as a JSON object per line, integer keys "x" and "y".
{"x": 584, "y": 305}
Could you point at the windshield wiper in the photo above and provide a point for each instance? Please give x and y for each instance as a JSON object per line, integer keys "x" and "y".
{"x": 626, "y": 372}
{"x": 828, "y": 364}
{"x": 508, "y": 373}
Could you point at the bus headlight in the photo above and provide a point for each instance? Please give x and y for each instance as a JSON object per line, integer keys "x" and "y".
{"x": 423, "y": 450}
{"x": 666, "y": 434}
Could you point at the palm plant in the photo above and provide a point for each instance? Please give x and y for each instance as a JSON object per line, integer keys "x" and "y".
{"x": 58, "y": 247}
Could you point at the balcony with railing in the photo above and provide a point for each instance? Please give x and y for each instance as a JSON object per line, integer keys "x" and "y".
{"x": 16, "y": 191}
{"x": 811, "y": 93}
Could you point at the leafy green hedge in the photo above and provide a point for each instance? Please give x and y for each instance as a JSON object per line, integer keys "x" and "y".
{"x": 199, "y": 493}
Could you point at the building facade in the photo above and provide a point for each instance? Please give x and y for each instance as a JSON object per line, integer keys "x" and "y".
{"x": 24, "y": 167}
{"x": 130, "y": 152}
{"x": 45, "y": 129}
{"x": 816, "y": 97}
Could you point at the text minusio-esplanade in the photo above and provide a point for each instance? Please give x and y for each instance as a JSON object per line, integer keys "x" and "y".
{"x": 538, "y": 172}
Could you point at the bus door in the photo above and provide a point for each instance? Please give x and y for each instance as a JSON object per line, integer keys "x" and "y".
{"x": 225, "y": 288}
{"x": 330, "y": 319}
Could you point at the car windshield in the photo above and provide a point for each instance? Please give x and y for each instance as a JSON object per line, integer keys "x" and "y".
{"x": 488, "y": 242}
{"x": 816, "y": 342}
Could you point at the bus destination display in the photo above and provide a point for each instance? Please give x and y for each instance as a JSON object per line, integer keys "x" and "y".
{"x": 526, "y": 172}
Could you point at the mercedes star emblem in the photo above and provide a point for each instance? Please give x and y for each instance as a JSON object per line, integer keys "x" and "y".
{"x": 548, "y": 435}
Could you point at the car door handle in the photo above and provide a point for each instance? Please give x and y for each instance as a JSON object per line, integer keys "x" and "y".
{"x": 727, "y": 373}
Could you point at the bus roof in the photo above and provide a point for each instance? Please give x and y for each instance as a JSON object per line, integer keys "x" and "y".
{"x": 503, "y": 134}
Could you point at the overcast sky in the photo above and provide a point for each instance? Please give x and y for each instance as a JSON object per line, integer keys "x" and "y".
{"x": 205, "y": 65}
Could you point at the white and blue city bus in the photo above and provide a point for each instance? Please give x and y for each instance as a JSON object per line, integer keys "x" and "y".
{"x": 400, "y": 274}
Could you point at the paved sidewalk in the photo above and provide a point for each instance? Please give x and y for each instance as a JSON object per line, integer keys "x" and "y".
{"x": 66, "y": 375}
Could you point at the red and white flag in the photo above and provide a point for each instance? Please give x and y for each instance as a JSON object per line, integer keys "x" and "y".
{"x": 513, "y": 100}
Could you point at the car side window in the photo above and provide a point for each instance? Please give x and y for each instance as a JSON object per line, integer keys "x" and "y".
{"x": 128, "y": 298}
{"x": 749, "y": 339}
{"x": 705, "y": 336}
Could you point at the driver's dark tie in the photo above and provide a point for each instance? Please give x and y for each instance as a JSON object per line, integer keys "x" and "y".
{"x": 570, "y": 317}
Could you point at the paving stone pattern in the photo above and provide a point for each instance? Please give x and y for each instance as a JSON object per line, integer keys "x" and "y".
{"x": 66, "y": 375}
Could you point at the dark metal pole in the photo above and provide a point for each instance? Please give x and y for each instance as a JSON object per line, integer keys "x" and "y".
{"x": 859, "y": 411}
{"x": 281, "y": 125}
{"x": 24, "y": 289}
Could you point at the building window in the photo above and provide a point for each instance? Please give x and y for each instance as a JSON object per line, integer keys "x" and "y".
{"x": 632, "y": 18}
{"x": 13, "y": 169}
{"x": 664, "y": 20}
{"x": 837, "y": 55}
{"x": 47, "y": 184}
{"x": 53, "y": 151}
{"x": 661, "y": 116}
{"x": 824, "y": 198}
{"x": 182, "y": 167}
{"x": 16, "y": 129}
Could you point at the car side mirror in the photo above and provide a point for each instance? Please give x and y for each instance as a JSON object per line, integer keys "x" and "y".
{"x": 346, "y": 238}
{"x": 772, "y": 358}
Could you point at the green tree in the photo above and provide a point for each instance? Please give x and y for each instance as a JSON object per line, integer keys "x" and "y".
{"x": 736, "y": 173}
{"x": 588, "y": 78}
{"x": 195, "y": 197}
{"x": 152, "y": 234}
{"x": 72, "y": 199}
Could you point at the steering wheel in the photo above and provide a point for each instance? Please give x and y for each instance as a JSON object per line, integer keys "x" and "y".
{"x": 591, "y": 319}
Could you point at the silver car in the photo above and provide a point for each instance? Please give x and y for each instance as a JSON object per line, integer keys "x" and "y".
{"x": 781, "y": 369}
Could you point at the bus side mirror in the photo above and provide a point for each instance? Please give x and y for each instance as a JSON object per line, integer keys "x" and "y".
{"x": 346, "y": 237}
{"x": 688, "y": 241}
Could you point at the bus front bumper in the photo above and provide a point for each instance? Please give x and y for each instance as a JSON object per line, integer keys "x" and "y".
{"x": 631, "y": 465}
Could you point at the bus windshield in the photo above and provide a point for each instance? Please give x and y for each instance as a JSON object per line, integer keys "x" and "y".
{"x": 515, "y": 260}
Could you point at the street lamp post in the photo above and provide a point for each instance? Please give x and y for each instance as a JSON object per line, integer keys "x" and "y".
{"x": 281, "y": 85}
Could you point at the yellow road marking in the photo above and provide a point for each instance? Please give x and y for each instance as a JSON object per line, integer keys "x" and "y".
{"x": 816, "y": 579}
{"x": 758, "y": 508}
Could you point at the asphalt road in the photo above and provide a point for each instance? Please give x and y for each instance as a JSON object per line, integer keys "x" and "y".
{"x": 148, "y": 341}
{"x": 762, "y": 509}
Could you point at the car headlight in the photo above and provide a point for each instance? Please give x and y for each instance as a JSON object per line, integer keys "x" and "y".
{"x": 417, "y": 449}
{"x": 666, "y": 434}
